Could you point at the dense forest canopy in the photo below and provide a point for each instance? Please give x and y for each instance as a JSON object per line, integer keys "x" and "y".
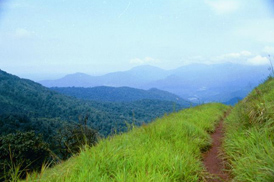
{"x": 28, "y": 106}
{"x": 31, "y": 101}
{"x": 120, "y": 94}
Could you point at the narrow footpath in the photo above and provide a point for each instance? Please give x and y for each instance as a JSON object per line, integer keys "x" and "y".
{"x": 212, "y": 160}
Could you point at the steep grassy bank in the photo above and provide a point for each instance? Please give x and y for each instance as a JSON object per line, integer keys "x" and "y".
{"x": 168, "y": 149}
{"x": 249, "y": 140}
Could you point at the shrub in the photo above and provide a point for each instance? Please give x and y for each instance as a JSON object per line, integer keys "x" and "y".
{"x": 72, "y": 137}
{"x": 22, "y": 152}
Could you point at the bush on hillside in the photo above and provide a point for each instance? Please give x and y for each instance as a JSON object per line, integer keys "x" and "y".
{"x": 72, "y": 137}
{"x": 24, "y": 151}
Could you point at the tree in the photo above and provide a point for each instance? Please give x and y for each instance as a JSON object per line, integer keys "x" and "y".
{"x": 24, "y": 150}
{"x": 72, "y": 137}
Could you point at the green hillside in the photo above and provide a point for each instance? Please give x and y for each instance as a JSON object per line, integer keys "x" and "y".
{"x": 168, "y": 149}
{"x": 120, "y": 94}
{"x": 26, "y": 104}
{"x": 35, "y": 120}
{"x": 249, "y": 140}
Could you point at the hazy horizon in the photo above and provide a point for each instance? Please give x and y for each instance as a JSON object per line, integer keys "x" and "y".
{"x": 49, "y": 39}
{"x": 55, "y": 76}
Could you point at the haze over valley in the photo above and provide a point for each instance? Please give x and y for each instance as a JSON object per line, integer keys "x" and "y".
{"x": 197, "y": 82}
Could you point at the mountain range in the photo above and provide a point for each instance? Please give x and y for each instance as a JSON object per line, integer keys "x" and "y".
{"x": 196, "y": 82}
{"x": 120, "y": 94}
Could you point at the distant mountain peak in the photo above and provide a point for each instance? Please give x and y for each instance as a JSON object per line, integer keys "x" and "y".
{"x": 78, "y": 74}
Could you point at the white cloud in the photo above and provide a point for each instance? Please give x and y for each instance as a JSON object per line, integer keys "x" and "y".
{"x": 258, "y": 60}
{"x": 22, "y": 33}
{"x": 243, "y": 57}
{"x": 268, "y": 50}
{"x": 146, "y": 60}
{"x": 197, "y": 58}
{"x": 232, "y": 56}
{"x": 136, "y": 61}
{"x": 223, "y": 6}
{"x": 246, "y": 53}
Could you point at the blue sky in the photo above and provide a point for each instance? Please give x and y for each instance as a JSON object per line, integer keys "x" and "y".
{"x": 47, "y": 39}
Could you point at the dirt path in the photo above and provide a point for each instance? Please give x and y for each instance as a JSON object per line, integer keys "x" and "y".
{"x": 212, "y": 160}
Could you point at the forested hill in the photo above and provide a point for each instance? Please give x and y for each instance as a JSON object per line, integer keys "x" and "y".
{"x": 23, "y": 100}
{"x": 30, "y": 98}
{"x": 120, "y": 94}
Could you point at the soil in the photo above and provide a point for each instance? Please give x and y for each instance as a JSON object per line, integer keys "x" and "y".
{"x": 212, "y": 160}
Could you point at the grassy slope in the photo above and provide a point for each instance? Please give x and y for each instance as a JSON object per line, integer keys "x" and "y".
{"x": 168, "y": 149}
{"x": 249, "y": 140}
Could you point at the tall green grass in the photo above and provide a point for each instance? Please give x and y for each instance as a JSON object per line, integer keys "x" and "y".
{"x": 168, "y": 149}
{"x": 249, "y": 140}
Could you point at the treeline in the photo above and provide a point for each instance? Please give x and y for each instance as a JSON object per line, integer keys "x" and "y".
{"x": 56, "y": 125}
{"x": 26, "y": 146}
{"x": 120, "y": 94}
{"x": 41, "y": 105}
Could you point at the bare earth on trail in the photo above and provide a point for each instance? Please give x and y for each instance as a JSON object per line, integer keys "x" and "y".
{"x": 212, "y": 159}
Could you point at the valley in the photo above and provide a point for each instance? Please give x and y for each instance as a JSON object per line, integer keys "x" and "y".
{"x": 199, "y": 83}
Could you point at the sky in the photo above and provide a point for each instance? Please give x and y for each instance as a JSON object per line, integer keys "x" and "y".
{"x": 49, "y": 39}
